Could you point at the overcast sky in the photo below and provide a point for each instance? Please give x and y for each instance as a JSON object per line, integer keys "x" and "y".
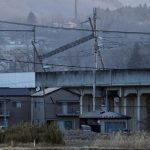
{"x": 135, "y": 2}
{"x": 21, "y": 8}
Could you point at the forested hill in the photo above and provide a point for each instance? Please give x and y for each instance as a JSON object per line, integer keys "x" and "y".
{"x": 125, "y": 18}
{"x": 118, "y": 50}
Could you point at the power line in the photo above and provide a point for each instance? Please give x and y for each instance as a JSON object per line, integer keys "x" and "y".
{"x": 38, "y": 63}
{"x": 72, "y": 66}
{"x": 44, "y": 26}
{"x": 76, "y": 29}
{"x": 9, "y": 30}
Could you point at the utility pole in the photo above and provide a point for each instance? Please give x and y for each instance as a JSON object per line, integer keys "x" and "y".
{"x": 96, "y": 53}
{"x": 96, "y": 50}
{"x": 95, "y": 57}
{"x": 34, "y": 50}
{"x": 43, "y": 75}
{"x": 76, "y": 10}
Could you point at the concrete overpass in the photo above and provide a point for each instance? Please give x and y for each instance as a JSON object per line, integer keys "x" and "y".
{"x": 115, "y": 77}
{"x": 131, "y": 87}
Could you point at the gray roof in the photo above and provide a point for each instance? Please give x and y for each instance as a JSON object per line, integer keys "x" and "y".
{"x": 103, "y": 115}
{"x": 14, "y": 92}
{"x": 46, "y": 91}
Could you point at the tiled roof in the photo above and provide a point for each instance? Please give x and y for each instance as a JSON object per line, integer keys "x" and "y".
{"x": 103, "y": 115}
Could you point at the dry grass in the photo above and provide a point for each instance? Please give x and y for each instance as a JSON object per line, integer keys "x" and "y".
{"x": 140, "y": 140}
{"x": 82, "y": 140}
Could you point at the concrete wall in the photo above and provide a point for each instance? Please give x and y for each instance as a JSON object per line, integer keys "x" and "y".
{"x": 103, "y": 78}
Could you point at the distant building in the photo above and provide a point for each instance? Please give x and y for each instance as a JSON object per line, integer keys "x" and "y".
{"x": 15, "y": 106}
{"x": 59, "y": 105}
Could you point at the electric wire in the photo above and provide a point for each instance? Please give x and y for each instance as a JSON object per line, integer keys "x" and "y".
{"x": 76, "y": 29}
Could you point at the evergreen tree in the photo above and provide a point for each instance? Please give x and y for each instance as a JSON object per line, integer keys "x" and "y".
{"x": 32, "y": 18}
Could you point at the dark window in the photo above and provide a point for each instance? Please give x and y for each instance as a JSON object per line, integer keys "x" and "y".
{"x": 35, "y": 104}
{"x": 16, "y": 104}
{"x": 114, "y": 126}
{"x": 68, "y": 125}
{"x": 1, "y": 105}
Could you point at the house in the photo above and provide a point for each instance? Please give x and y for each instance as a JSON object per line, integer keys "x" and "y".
{"x": 105, "y": 122}
{"x": 56, "y": 104}
{"x": 15, "y": 106}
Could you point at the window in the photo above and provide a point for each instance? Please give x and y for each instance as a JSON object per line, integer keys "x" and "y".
{"x": 114, "y": 126}
{"x": 1, "y": 105}
{"x": 64, "y": 108}
{"x": 16, "y": 104}
{"x": 68, "y": 125}
{"x": 35, "y": 104}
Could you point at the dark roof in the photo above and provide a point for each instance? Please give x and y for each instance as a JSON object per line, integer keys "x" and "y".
{"x": 52, "y": 90}
{"x": 45, "y": 92}
{"x": 103, "y": 115}
{"x": 14, "y": 92}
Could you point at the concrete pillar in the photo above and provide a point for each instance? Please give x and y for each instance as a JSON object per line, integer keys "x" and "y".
{"x": 32, "y": 111}
{"x": 138, "y": 109}
{"x": 81, "y": 102}
{"x": 94, "y": 89}
{"x": 5, "y": 114}
{"x": 106, "y": 101}
{"x": 94, "y": 97}
{"x": 125, "y": 106}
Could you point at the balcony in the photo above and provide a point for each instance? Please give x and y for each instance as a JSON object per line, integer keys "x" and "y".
{"x": 4, "y": 114}
{"x": 73, "y": 114}
{"x": 71, "y": 110}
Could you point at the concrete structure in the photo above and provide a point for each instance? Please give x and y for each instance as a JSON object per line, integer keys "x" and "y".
{"x": 115, "y": 77}
{"x": 15, "y": 106}
{"x": 56, "y": 104}
{"x": 124, "y": 91}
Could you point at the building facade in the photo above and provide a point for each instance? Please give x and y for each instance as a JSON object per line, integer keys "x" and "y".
{"x": 132, "y": 102}
{"x": 56, "y": 104}
{"x": 15, "y": 106}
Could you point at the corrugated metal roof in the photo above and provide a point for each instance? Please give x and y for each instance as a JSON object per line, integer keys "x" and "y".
{"x": 14, "y": 92}
{"x": 46, "y": 91}
{"x": 103, "y": 115}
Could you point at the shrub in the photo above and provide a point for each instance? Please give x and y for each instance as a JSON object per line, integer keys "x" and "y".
{"x": 25, "y": 133}
{"x": 53, "y": 135}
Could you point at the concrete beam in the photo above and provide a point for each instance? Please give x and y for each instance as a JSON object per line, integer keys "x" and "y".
{"x": 115, "y": 77}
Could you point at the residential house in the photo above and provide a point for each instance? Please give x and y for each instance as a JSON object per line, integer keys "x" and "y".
{"x": 15, "y": 106}
{"x": 56, "y": 104}
{"x": 105, "y": 122}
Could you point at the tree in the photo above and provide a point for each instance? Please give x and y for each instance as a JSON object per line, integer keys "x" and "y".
{"x": 136, "y": 58}
{"x": 32, "y": 18}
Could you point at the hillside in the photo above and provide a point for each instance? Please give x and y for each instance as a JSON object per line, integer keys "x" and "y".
{"x": 118, "y": 50}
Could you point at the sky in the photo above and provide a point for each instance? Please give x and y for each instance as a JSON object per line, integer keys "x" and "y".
{"x": 44, "y": 8}
{"x": 135, "y": 2}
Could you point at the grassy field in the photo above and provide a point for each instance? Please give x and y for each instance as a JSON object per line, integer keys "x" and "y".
{"x": 139, "y": 140}
{"x": 91, "y": 141}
